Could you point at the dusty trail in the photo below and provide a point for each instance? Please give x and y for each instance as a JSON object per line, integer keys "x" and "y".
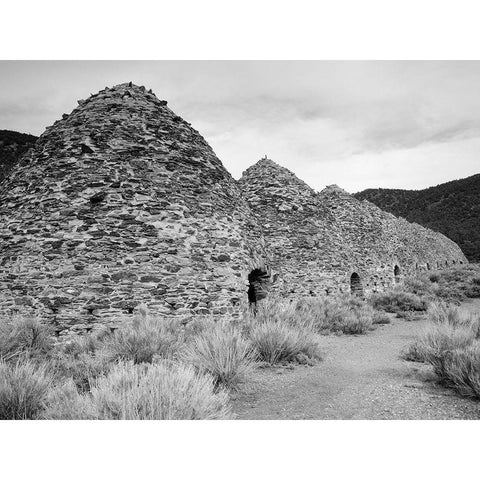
{"x": 361, "y": 377}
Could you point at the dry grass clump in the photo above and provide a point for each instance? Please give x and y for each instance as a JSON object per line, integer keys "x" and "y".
{"x": 161, "y": 391}
{"x": 24, "y": 336}
{"x": 380, "y": 318}
{"x": 82, "y": 368}
{"x": 24, "y": 389}
{"x": 451, "y": 344}
{"x": 415, "y": 352}
{"x": 398, "y": 300}
{"x": 279, "y": 343}
{"x": 460, "y": 282}
{"x": 223, "y": 352}
{"x": 64, "y": 402}
{"x": 322, "y": 315}
{"x": 143, "y": 339}
{"x": 461, "y": 370}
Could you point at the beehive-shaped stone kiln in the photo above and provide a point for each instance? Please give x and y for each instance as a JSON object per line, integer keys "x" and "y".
{"x": 329, "y": 242}
{"x": 122, "y": 203}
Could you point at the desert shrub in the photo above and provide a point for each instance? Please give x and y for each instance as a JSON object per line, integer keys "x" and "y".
{"x": 143, "y": 339}
{"x": 276, "y": 342}
{"x": 420, "y": 285}
{"x": 380, "y": 318}
{"x": 410, "y": 316}
{"x": 441, "y": 338}
{"x": 88, "y": 343}
{"x": 25, "y": 336}
{"x": 398, "y": 300}
{"x": 162, "y": 391}
{"x": 222, "y": 352}
{"x": 345, "y": 314}
{"x": 461, "y": 370}
{"x": 355, "y": 323}
{"x": 415, "y": 352}
{"x": 64, "y": 402}
{"x": 456, "y": 284}
{"x": 81, "y": 368}
{"x": 24, "y": 389}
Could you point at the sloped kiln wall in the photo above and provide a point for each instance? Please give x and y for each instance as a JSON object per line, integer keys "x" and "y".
{"x": 318, "y": 240}
{"x": 121, "y": 203}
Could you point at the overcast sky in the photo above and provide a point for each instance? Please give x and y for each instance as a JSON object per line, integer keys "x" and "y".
{"x": 357, "y": 124}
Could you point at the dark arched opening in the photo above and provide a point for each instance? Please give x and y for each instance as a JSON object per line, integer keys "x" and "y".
{"x": 257, "y": 285}
{"x": 356, "y": 284}
{"x": 428, "y": 266}
{"x": 396, "y": 273}
{"x": 446, "y": 263}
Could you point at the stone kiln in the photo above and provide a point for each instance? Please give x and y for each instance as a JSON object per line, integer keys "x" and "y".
{"x": 329, "y": 242}
{"x": 122, "y": 203}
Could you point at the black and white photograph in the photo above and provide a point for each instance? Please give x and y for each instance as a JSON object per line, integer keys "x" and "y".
{"x": 291, "y": 240}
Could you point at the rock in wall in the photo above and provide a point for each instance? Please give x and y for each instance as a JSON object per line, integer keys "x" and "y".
{"x": 121, "y": 203}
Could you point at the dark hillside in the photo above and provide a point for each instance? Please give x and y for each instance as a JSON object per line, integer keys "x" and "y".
{"x": 12, "y": 146}
{"x": 452, "y": 208}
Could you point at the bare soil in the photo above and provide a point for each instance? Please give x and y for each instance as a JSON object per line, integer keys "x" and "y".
{"x": 360, "y": 377}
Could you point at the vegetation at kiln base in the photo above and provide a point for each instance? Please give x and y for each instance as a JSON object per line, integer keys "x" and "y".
{"x": 156, "y": 368}
{"x": 450, "y": 208}
{"x": 159, "y": 368}
{"x": 12, "y": 146}
{"x": 451, "y": 344}
{"x": 413, "y": 297}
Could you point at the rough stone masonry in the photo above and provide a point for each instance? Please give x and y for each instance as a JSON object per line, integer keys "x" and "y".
{"x": 122, "y": 203}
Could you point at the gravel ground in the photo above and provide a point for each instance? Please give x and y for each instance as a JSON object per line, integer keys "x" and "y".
{"x": 361, "y": 377}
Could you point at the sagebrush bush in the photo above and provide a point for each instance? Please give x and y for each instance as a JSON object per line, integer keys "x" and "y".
{"x": 415, "y": 352}
{"x": 24, "y": 389}
{"x": 276, "y": 342}
{"x": 64, "y": 402}
{"x": 346, "y": 314}
{"x": 398, "y": 300}
{"x": 81, "y": 368}
{"x": 380, "y": 318}
{"x": 162, "y": 391}
{"x": 22, "y": 335}
{"x": 447, "y": 331}
{"x": 144, "y": 339}
{"x": 222, "y": 352}
{"x": 461, "y": 370}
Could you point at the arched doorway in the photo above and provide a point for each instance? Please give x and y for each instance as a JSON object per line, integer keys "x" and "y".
{"x": 428, "y": 266}
{"x": 257, "y": 285}
{"x": 396, "y": 273}
{"x": 356, "y": 287}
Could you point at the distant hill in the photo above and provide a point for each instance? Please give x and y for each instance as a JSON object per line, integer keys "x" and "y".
{"x": 452, "y": 208}
{"x": 12, "y": 145}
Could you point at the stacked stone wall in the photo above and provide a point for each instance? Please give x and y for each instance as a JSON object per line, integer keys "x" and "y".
{"x": 122, "y": 203}
{"x": 318, "y": 240}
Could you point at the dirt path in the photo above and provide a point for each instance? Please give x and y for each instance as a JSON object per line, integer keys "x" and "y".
{"x": 361, "y": 377}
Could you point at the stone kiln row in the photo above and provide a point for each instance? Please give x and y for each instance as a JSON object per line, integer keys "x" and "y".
{"x": 122, "y": 203}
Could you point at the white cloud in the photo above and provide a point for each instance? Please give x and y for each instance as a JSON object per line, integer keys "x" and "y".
{"x": 357, "y": 124}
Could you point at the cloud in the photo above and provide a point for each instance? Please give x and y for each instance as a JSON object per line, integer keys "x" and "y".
{"x": 320, "y": 119}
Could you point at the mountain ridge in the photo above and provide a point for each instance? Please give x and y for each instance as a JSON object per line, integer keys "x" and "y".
{"x": 452, "y": 208}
